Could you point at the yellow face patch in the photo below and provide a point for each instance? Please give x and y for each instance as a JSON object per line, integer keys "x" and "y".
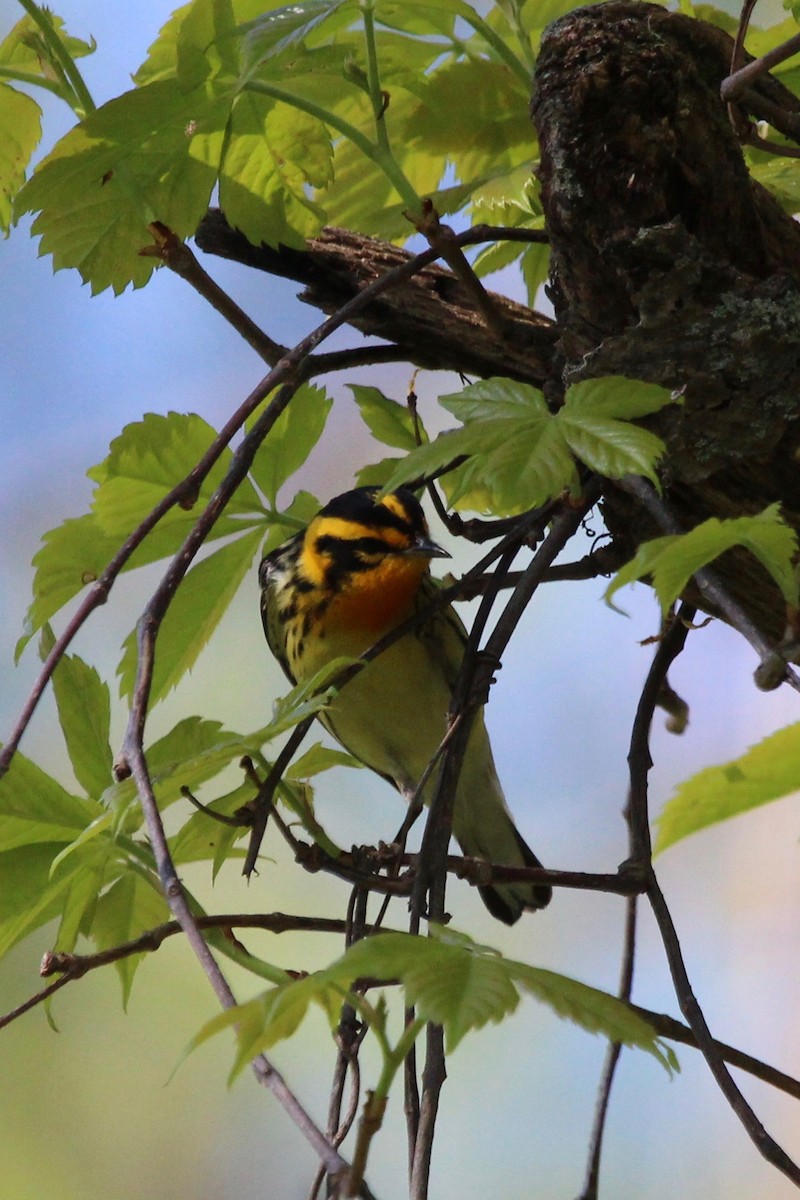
{"x": 395, "y": 505}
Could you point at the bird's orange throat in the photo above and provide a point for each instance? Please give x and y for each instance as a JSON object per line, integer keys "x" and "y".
{"x": 377, "y": 600}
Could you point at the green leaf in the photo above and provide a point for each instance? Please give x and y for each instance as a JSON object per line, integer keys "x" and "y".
{"x": 192, "y": 752}
{"x": 30, "y": 895}
{"x": 72, "y": 555}
{"x": 474, "y": 115}
{"x": 35, "y": 808}
{"x": 535, "y": 265}
{"x": 320, "y": 758}
{"x": 594, "y": 1010}
{"x": 278, "y": 1014}
{"x": 27, "y": 50}
{"x": 304, "y": 700}
{"x": 765, "y": 772}
{"x": 616, "y": 397}
{"x": 84, "y": 711}
{"x": 285, "y": 28}
{"x": 20, "y": 131}
{"x": 377, "y": 474}
{"x": 81, "y": 897}
{"x": 145, "y": 156}
{"x": 129, "y": 908}
{"x": 596, "y": 419}
{"x": 453, "y": 983}
{"x": 780, "y": 176}
{"x": 361, "y": 196}
{"x": 143, "y": 465}
{"x": 291, "y": 440}
{"x": 462, "y": 985}
{"x": 199, "y": 604}
{"x": 519, "y": 456}
{"x": 274, "y": 153}
{"x": 387, "y": 421}
{"x": 672, "y": 560}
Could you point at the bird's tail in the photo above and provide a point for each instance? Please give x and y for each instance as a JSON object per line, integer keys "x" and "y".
{"x": 484, "y": 828}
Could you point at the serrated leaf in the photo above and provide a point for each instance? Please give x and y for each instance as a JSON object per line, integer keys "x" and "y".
{"x": 362, "y": 197}
{"x": 283, "y": 28}
{"x": 672, "y": 560}
{"x": 199, "y": 604}
{"x": 518, "y": 454}
{"x": 306, "y": 699}
{"x": 129, "y": 908}
{"x": 765, "y": 772}
{"x": 535, "y": 266}
{"x": 30, "y": 895}
{"x": 320, "y": 758}
{"x": 291, "y": 440}
{"x": 273, "y": 154}
{"x": 617, "y": 397}
{"x": 473, "y": 114}
{"x": 462, "y": 985}
{"x": 84, "y": 712}
{"x": 377, "y": 474}
{"x": 144, "y": 463}
{"x": 594, "y": 1010}
{"x": 279, "y": 1013}
{"x": 72, "y": 555}
{"x": 34, "y": 807}
{"x": 26, "y": 49}
{"x": 780, "y": 176}
{"x": 20, "y": 131}
{"x": 192, "y": 752}
{"x": 142, "y": 157}
{"x": 612, "y": 448}
{"x": 80, "y": 900}
{"x": 596, "y": 420}
{"x": 494, "y": 398}
{"x": 448, "y": 982}
{"x": 387, "y": 420}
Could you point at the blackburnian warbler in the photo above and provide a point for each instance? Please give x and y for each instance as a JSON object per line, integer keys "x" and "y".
{"x": 359, "y": 570}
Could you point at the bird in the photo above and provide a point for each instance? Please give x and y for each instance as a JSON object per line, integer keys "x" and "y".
{"x": 360, "y": 569}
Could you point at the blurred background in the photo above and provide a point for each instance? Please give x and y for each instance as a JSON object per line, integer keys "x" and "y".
{"x": 94, "y": 1109}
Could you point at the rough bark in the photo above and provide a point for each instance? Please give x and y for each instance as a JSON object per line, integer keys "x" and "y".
{"x": 430, "y": 318}
{"x": 669, "y": 264}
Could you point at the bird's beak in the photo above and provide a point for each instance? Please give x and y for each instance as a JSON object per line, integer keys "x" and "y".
{"x": 425, "y": 547}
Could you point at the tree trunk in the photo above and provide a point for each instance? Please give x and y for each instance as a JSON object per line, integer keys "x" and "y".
{"x": 670, "y": 264}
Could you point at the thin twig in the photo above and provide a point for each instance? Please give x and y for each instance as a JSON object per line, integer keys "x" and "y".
{"x": 639, "y": 853}
{"x": 443, "y": 239}
{"x": 640, "y": 762}
{"x": 613, "y": 1052}
{"x": 179, "y": 257}
{"x": 433, "y": 1078}
{"x": 764, "y": 1143}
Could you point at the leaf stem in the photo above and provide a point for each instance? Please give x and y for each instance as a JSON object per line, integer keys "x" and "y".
{"x": 84, "y": 104}
{"x": 501, "y": 48}
{"x": 32, "y": 80}
{"x": 377, "y": 97}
